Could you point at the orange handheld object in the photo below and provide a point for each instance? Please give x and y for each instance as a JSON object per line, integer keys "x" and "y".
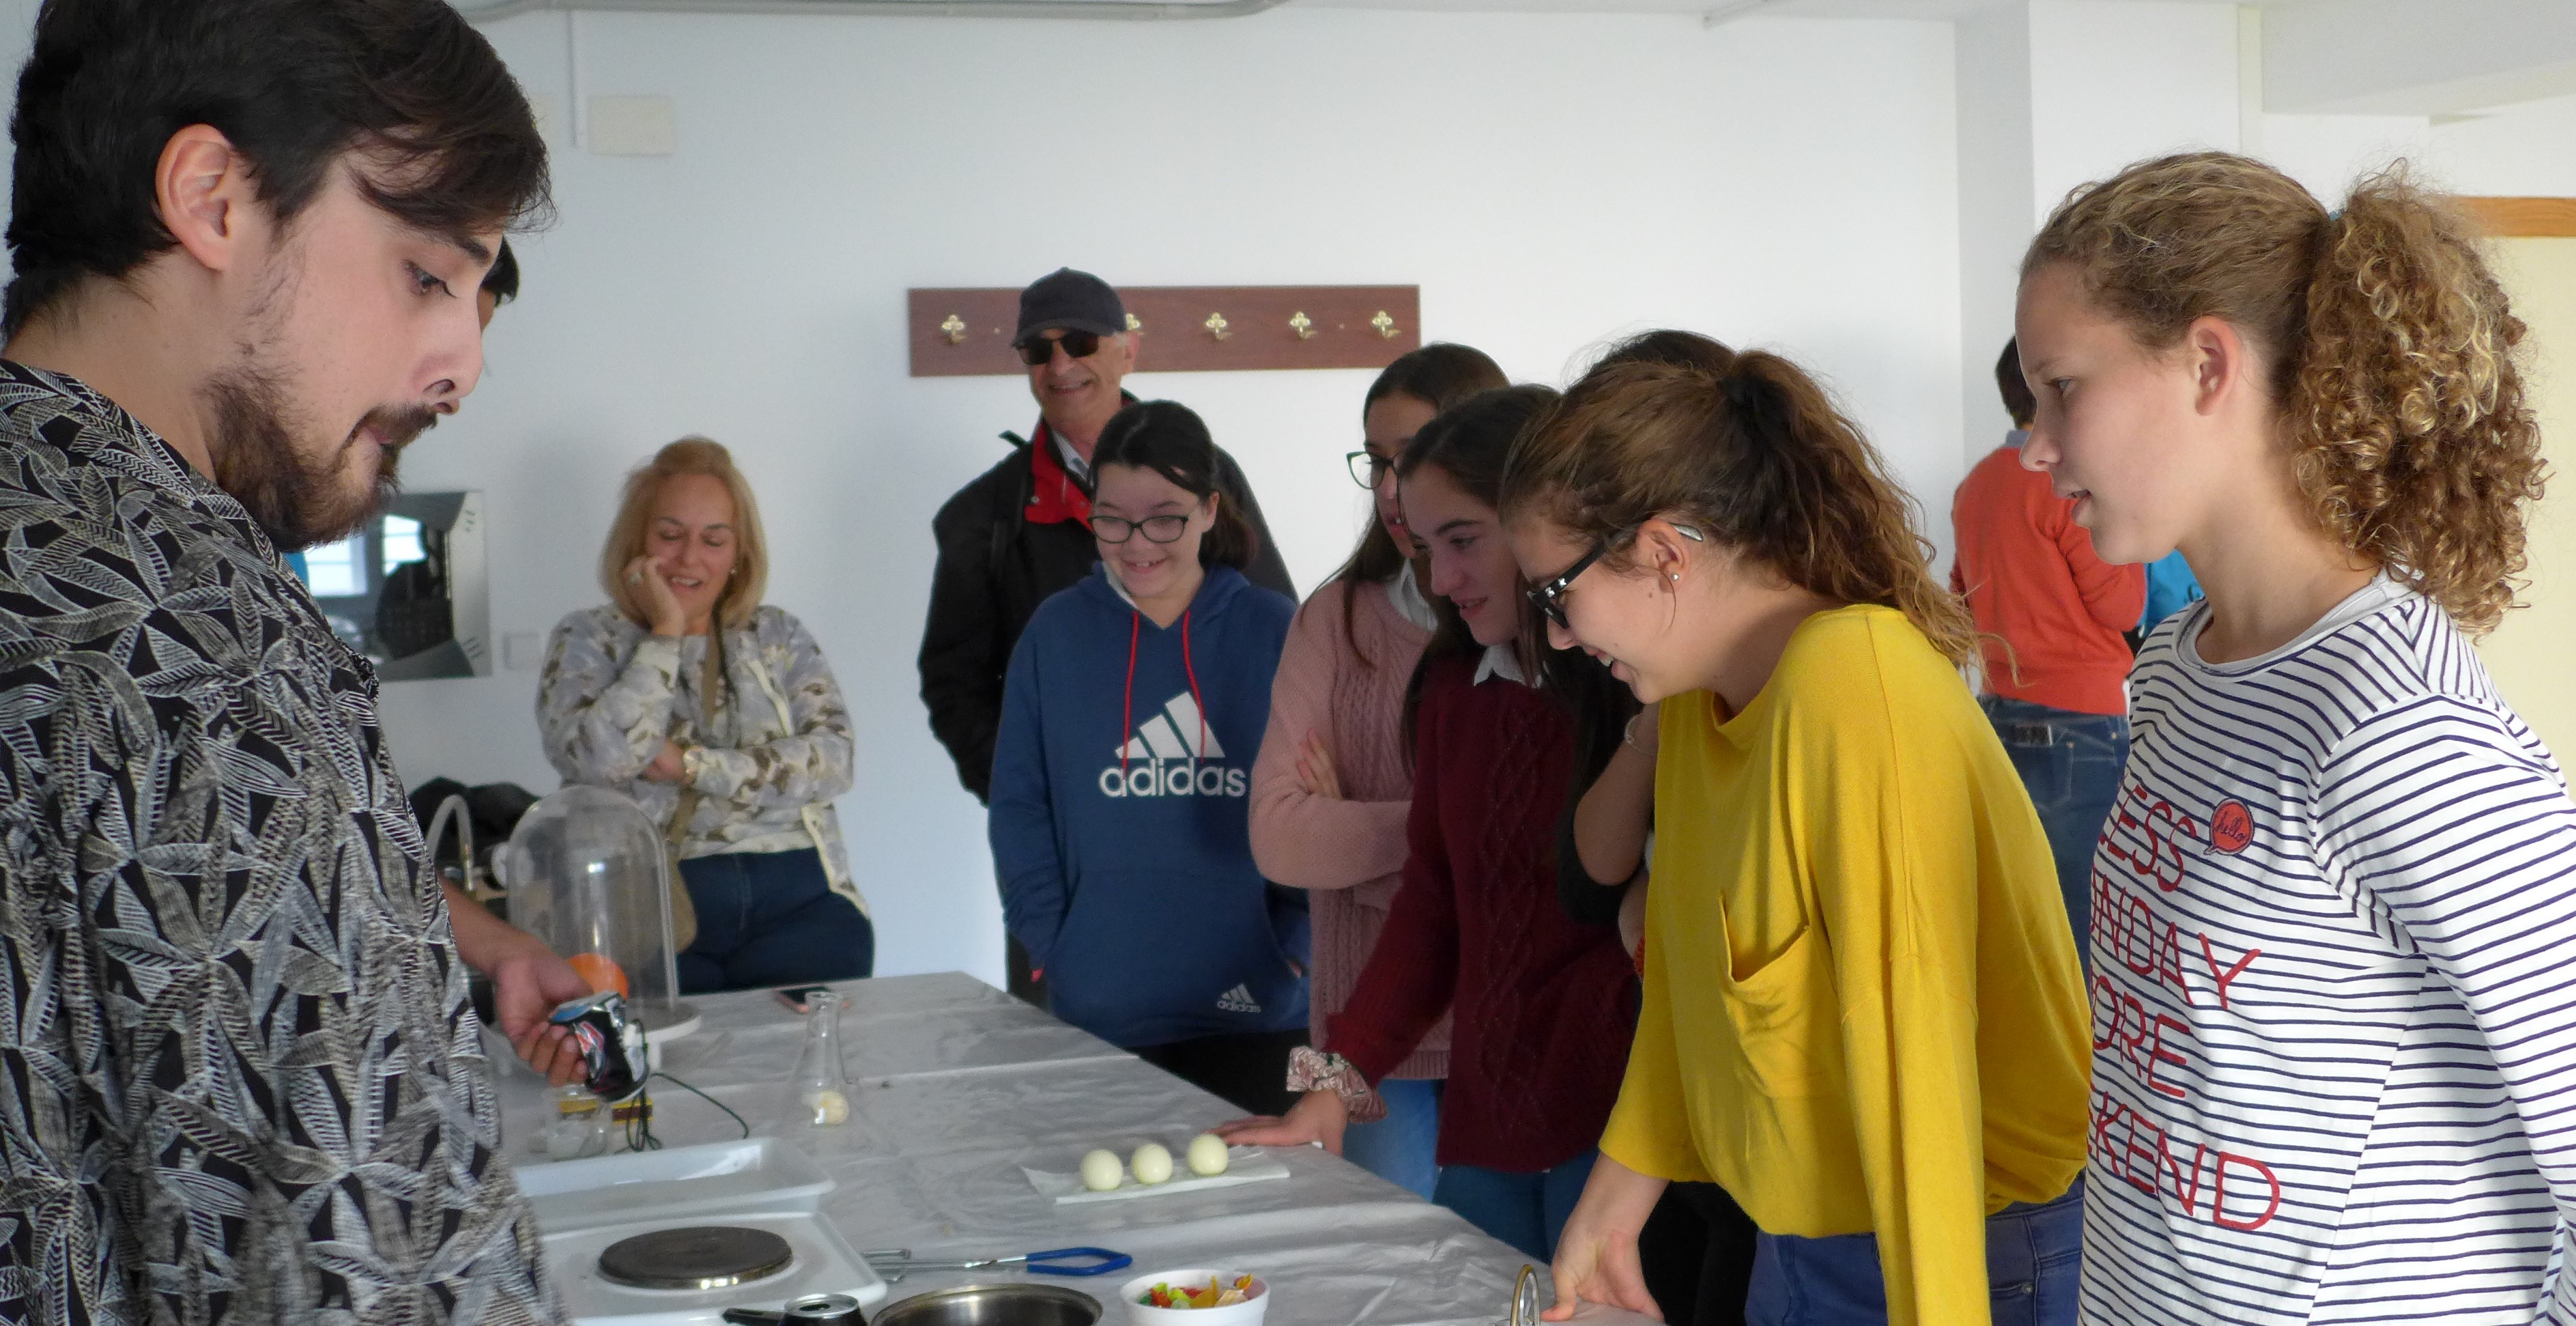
{"x": 600, "y": 972}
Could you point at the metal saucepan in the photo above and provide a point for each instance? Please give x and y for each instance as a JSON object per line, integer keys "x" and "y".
{"x": 994, "y": 1305}
{"x": 811, "y": 1310}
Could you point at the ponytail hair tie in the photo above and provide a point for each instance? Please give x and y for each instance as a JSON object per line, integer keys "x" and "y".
{"x": 1756, "y": 402}
{"x": 1743, "y": 392}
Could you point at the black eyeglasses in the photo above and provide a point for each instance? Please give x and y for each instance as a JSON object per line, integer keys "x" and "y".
{"x": 1078, "y": 344}
{"x": 1548, "y": 597}
{"x": 1368, "y": 469}
{"x": 1158, "y": 529}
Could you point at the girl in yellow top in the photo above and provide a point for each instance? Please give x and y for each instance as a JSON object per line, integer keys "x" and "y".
{"x": 1863, "y": 1012}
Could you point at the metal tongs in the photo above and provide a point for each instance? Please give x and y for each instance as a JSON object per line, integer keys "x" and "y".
{"x": 893, "y": 1264}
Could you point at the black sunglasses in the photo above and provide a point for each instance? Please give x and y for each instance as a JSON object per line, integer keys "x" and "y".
{"x": 1077, "y": 344}
{"x": 1549, "y": 597}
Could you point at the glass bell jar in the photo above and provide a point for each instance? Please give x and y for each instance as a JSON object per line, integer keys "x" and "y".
{"x": 587, "y": 872}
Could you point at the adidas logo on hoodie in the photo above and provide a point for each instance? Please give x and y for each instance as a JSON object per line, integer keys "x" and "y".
{"x": 1237, "y": 1000}
{"x": 1168, "y": 757}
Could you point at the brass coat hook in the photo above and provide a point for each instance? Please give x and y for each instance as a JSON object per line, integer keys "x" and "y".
{"x": 1302, "y": 325}
{"x": 955, "y": 329}
{"x": 1133, "y": 325}
{"x": 1216, "y": 326}
{"x": 1385, "y": 324}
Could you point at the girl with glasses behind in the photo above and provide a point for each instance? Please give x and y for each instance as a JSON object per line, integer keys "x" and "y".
{"x": 1131, "y": 714}
{"x": 1863, "y": 1014}
{"x": 1332, "y": 787}
{"x": 1543, "y": 1006}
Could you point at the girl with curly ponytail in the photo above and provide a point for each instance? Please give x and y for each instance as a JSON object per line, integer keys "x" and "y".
{"x": 1863, "y": 1016}
{"x": 2333, "y": 901}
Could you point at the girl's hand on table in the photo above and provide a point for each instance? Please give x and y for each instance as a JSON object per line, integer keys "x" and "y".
{"x": 1319, "y": 1117}
{"x": 1596, "y": 1257}
{"x": 1315, "y": 769}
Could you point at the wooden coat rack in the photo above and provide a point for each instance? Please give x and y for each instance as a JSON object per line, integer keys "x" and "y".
{"x": 2522, "y": 218}
{"x": 962, "y": 332}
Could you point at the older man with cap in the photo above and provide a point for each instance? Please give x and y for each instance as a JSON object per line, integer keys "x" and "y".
{"x": 1019, "y": 532}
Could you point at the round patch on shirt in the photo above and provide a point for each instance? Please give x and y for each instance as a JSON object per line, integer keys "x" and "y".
{"x": 2231, "y": 826}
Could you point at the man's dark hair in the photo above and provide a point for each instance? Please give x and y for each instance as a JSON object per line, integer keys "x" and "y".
{"x": 503, "y": 279}
{"x": 2018, "y": 402}
{"x": 294, "y": 84}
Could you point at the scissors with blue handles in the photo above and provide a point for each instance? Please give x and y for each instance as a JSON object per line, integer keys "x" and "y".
{"x": 892, "y": 1264}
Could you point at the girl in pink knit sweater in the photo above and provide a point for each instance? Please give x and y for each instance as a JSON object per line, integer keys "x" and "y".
{"x": 1330, "y": 789}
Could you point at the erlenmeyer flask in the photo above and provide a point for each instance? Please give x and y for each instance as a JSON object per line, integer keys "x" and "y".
{"x": 818, "y": 1095}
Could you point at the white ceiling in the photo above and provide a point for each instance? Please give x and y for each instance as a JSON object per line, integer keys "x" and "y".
{"x": 1917, "y": 9}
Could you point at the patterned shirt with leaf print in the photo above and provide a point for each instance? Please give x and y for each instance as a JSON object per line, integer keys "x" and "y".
{"x": 778, "y": 752}
{"x": 239, "y": 1076}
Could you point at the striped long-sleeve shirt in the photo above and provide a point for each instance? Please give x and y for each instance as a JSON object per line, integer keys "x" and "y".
{"x": 2334, "y": 993}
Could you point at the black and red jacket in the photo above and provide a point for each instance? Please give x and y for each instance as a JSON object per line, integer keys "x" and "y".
{"x": 1008, "y": 540}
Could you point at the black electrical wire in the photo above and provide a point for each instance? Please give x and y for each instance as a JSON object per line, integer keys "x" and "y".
{"x": 738, "y": 1119}
{"x": 639, "y": 1125}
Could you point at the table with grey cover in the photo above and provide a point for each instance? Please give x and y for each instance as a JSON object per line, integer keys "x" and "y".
{"x": 955, "y": 1086}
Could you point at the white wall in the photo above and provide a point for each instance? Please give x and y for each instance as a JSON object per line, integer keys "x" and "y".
{"x": 2524, "y": 149}
{"x": 1993, "y": 58}
{"x": 1549, "y": 181}
{"x": 2117, "y": 82}
{"x": 2518, "y": 150}
{"x": 2327, "y": 153}
{"x": 2053, "y": 94}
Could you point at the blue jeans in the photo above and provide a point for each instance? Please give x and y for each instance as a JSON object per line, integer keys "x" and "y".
{"x": 1403, "y": 1147}
{"x": 2034, "y": 1261}
{"x": 771, "y": 918}
{"x": 1527, "y": 1211}
{"x": 2070, "y": 763}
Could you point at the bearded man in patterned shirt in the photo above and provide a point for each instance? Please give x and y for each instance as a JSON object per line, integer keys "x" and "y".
{"x": 239, "y": 1076}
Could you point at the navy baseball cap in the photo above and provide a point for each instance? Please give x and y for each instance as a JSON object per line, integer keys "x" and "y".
{"x": 1075, "y": 301}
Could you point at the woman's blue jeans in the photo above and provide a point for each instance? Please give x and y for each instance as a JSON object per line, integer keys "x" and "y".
{"x": 768, "y": 919}
{"x": 1404, "y": 1147}
{"x": 2070, "y": 763}
{"x": 2034, "y": 1263}
{"x": 1527, "y": 1211}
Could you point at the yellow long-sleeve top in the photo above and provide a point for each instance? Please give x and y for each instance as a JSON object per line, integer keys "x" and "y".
{"x": 1863, "y": 1011}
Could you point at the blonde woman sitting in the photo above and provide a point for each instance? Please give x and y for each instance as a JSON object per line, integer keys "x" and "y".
{"x": 718, "y": 715}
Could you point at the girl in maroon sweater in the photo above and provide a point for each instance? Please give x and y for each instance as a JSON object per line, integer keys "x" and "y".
{"x": 1544, "y": 1007}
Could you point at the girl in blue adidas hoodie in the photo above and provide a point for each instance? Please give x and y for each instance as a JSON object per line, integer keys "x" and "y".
{"x": 1131, "y": 714}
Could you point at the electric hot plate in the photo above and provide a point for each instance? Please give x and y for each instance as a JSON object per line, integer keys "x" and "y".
{"x": 696, "y": 1257}
{"x": 686, "y": 1273}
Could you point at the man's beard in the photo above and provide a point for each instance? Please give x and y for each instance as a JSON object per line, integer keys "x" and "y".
{"x": 298, "y": 502}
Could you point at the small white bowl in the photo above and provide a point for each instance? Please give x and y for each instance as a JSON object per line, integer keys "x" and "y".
{"x": 1249, "y": 1312}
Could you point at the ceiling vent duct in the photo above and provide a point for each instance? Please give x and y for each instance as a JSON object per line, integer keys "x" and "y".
{"x": 485, "y": 11}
